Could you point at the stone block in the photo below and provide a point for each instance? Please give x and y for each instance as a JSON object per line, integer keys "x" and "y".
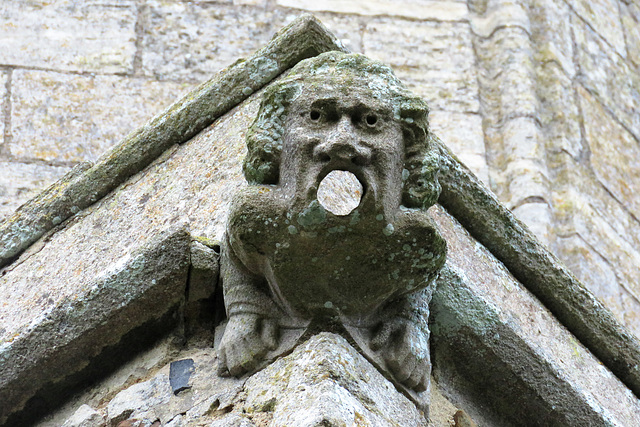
{"x": 593, "y": 269}
{"x": 4, "y": 78}
{"x": 506, "y": 75}
{"x": 604, "y": 17}
{"x": 608, "y": 77}
{"x": 517, "y": 154}
{"x": 19, "y": 182}
{"x": 71, "y": 118}
{"x": 440, "y": 10}
{"x": 107, "y": 242}
{"x": 192, "y": 41}
{"x": 631, "y": 312}
{"x": 85, "y": 416}
{"x": 559, "y": 115}
{"x": 615, "y": 153}
{"x": 631, "y": 22}
{"x": 325, "y": 381}
{"x": 490, "y": 16}
{"x": 551, "y": 33}
{"x": 435, "y": 59}
{"x": 537, "y": 216}
{"x": 94, "y": 36}
{"x": 608, "y": 233}
{"x": 462, "y": 133}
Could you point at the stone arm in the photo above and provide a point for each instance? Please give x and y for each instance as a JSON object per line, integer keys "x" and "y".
{"x": 252, "y": 329}
{"x": 402, "y": 338}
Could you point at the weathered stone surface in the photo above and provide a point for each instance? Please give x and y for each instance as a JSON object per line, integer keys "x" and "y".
{"x": 204, "y": 270}
{"x": 618, "y": 169}
{"x": 592, "y": 268}
{"x": 72, "y": 118}
{"x": 67, "y": 35}
{"x": 53, "y": 331}
{"x": 4, "y": 79}
{"x": 604, "y": 17}
{"x": 540, "y": 271}
{"x": 326, "y": 363}
{"x": 559, "y": 115}
{"x": 631, "y": 22}
{"x": 441, "y": 10}
{"x": 184, "y": 119}
{"x": 492, "y": 15}
{"x": 192, "y": 40}
{"x": 439, "y": 68}
{"x": 479, "y": 308}
{"x": 326, "y": 382}
{"x": 607, "y": 238}
{"x": 347, "y": 28}
{"x": 506, "y": 75}
{"x": 464, "y": 136}
{"x": 140, "y": 401}
{"x": 608, "y": 76}
{"x": 20, "y": 182}
{"x": 551, "y": 33}
{"x": 519, "y": 159}
{"x": 85, "y": 416}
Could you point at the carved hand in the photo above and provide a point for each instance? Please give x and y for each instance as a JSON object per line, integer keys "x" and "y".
{"x": 405, "y": 349}
{"x": 247, "y": 338}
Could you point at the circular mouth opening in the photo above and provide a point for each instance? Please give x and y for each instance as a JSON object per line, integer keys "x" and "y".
{"x": 340, "y": 192}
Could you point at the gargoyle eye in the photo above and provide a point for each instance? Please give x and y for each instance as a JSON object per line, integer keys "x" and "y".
{"x": 371, "y": 119}
{"x": 314, "y": 115}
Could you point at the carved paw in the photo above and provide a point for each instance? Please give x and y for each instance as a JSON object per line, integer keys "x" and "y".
{"x": 247, "y": 339}
{"x": 405, "y": 349}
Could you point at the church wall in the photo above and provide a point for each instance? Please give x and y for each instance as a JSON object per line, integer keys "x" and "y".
{"x": 538, "y": 97}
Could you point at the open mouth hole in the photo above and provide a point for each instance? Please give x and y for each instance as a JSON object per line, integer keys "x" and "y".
{"x": 340, "y": 192}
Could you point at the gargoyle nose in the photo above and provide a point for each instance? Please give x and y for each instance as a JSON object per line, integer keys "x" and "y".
{"x": 343, "y": 146}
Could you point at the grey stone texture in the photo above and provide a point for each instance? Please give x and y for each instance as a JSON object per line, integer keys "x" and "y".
{"x": 93, "y": 36}
{"x": 193, "y": 40}
{"x": 435, "y": 59}
{"x": 70, "y": 118}
{"x": 20, "y": 182}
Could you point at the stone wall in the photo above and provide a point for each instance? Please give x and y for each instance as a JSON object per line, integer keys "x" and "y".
{"x": 540, "y": 98}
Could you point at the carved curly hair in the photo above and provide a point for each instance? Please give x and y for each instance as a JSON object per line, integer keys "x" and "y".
{"x": 265, "y": 136}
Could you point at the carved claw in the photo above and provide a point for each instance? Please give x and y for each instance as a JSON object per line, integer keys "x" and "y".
{"x": 405, "y": 349}
{"x": 247, "y": 338}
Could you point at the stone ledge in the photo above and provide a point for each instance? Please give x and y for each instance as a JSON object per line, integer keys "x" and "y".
{"x": 496, "y": 347}
{"x": 509, "y": 240}
{"x": 62, "y": 341}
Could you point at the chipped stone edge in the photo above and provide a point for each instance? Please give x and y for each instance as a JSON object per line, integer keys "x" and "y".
{"x": 63, "y": 342}
{"x": 87, "y": 183}
{"x": 541, "y": 272}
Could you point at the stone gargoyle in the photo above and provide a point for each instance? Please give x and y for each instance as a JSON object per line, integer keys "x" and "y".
{"x": 289, "y": 263}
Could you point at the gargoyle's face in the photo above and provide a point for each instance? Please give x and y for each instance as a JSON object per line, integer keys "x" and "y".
{"x": 336, "y": 129}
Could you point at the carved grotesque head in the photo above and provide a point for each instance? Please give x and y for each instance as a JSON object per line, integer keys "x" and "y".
{"x": 290, "y": 262}
{"x": 344, "y": 112}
